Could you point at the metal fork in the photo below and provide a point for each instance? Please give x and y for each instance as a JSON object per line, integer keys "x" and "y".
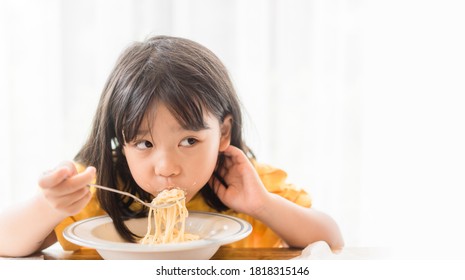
{"x": 150, "y": 205}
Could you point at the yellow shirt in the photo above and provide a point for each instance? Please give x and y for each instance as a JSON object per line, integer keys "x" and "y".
{"x": 261, "y": 236}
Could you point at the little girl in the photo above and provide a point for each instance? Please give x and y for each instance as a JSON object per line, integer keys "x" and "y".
{"x": 168, "y": 116}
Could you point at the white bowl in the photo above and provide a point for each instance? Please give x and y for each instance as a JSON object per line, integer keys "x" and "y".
{"x": 213, "y": 229}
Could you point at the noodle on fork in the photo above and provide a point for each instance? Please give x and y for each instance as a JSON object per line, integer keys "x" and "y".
{"x": 169, "y": 222}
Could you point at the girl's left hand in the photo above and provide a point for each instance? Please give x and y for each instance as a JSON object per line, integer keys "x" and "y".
{"x": 245, "y": 192}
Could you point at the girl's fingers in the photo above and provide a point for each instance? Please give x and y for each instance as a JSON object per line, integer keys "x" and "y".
{"x": 77, "y": 206}
{"x": 71, "y": 203}
{"x": 65, "y": 190}
{"x": 217, "y": 187}
{"x": 231, "y": 150}
{"x": 54, "y": 177}
{"x": 64, "y": 179}
{"x": 235, "y": 154}
{"x": 76, "y": 182}
{"x": 78, "y": 200}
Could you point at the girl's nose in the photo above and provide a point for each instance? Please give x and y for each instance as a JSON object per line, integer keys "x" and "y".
{"x": 165, "y": 165}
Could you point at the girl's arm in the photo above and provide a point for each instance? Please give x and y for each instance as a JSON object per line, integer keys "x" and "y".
{"x": 296, "y": 225}
{"x": 299, "y": 226}
{"x": 28, "y": 227}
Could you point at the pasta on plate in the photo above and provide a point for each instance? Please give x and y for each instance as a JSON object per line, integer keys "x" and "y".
{"x": 169, "y": 222}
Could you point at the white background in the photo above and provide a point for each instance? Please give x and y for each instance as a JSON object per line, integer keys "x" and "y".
{"x": 361, "y": 102}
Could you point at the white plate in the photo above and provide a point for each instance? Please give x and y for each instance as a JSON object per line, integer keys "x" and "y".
{"x": 214, "y": 230}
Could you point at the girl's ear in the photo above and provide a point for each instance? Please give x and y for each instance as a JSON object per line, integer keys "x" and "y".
{"x": 225, "y": 128}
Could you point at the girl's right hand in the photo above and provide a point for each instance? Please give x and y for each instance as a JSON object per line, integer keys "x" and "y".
{"x": 65, "y": 190}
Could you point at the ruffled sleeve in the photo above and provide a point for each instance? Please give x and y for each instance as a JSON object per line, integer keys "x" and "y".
{"x": 274, "y": 180}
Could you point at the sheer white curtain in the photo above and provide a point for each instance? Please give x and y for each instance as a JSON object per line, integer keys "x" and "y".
{"x": 359, "y": 101}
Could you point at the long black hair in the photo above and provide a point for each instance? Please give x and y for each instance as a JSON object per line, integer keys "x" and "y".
{"x": 183, "y": 75}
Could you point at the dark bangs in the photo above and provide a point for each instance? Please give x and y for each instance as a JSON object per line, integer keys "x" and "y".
{"x": 186, "y": 95}
{"x": 185, "y": 104}
{"x": 141, "y": 102}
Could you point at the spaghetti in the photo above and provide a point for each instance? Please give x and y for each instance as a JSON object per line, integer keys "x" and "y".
{"x": 169, "y": 222}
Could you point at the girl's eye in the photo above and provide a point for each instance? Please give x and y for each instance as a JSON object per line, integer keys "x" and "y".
{"x": 142, "y": 145}
{"x": 188, "y": 142}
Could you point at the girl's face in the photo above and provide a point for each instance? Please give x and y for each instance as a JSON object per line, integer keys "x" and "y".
{"x": 164, "y": 154}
